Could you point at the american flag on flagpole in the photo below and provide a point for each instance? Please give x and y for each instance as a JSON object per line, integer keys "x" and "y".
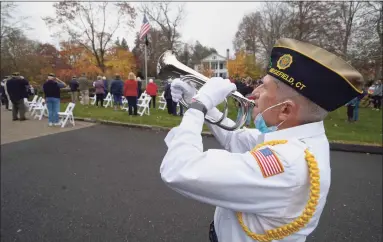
{"x": 145, "y": 27}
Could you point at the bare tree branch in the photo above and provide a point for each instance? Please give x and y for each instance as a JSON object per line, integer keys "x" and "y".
{"x": 160, "y": 13}
{"x": 90, "y": 25}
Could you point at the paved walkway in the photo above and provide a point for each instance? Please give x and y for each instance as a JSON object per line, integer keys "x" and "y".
{"x": 102, "y": 183}
{"x": 12, "y": 131}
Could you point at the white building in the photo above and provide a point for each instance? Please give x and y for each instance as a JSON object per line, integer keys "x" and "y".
{"x": 216, "y": 63}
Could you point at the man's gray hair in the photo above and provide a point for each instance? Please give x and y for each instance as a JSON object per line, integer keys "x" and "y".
{"x": 308, "y": 112}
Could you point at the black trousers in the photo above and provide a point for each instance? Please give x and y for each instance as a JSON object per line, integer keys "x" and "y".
{"x": 169, "y": 106}
{"x": 350, "y": 112}
{"x": 18, "y": 107}
{"x": 132, "y": 103}
{"x": 377, "y": 101}
{"x": 100, "y": 98}
{"x": 154, "y": 101}
{"x": 5, "y": 101}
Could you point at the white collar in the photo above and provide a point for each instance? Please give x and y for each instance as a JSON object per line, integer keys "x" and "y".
{"x": 297, "y": 132}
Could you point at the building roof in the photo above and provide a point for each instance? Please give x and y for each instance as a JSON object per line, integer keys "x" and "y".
{"x": 211, "y": 57}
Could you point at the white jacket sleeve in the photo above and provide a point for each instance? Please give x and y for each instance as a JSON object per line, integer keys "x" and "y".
{"x": 220, "y": 178}
{"x": 231, "y": 139}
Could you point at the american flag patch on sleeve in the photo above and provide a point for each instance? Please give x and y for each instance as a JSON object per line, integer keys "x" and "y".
{"x": 268, "y": 162}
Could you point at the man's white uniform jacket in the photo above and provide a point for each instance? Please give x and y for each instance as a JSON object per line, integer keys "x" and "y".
{"x": 235, "y": 180}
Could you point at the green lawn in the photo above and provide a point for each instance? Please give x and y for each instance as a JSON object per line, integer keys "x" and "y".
{"x": 367, "y": 130}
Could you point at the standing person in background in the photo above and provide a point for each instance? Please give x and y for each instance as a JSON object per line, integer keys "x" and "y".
{"x": 168, "y": 98}
{"x": 4, "y": 96}
{"x": 377, "y": 95}
{"x": 28, "y": 87}
{"x": 357, "y": 103}
{"x": 350, "y": 109}
{"x": 131, "y": 92}
{"x": 117, "y": 89}
{"x": 17, "y": 91}
{"x": 139, "y": 87}
{"x": 84, "y": 89}
{"x": 73, "y": 84}
{"x": 7, "y": 94}
{"x": 100, "y": 91}
{"x": 27, "y": 92}
{"x": 151, "y": 90}
{"x": 106, "y": 86}
{"x": 52, "y": 97}
{"x": 32, "y": 90}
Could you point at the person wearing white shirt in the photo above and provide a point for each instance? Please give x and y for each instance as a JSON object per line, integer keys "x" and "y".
{"x": 270, "y": 183}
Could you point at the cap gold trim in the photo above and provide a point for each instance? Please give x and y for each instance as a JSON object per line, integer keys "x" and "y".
{"x": 344, "y": 78}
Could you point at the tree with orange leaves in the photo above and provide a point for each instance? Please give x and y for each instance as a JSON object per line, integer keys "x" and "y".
{"x": 87, "y": 64}
{"x": 244, "y": 65}
{"x": 120, "y": 60}
{"x": 237, "y": 66}
{"x": 207, "y": 71}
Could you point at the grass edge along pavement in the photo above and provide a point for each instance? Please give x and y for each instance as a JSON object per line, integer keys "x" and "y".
{"x": 367, "y": 131}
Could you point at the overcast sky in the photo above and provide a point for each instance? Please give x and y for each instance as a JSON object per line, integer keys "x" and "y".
{"x": 212, "y": 23}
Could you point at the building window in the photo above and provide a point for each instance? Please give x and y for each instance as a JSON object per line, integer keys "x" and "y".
{"x": 214, "y": 57}
{"x": 220, "y": 66}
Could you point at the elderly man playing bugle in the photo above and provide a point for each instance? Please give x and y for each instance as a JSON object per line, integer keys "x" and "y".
{"x": 270, "y": 183}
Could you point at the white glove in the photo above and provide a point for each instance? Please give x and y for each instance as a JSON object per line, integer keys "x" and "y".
{"x": 179, "y": 88}
{"x": 215, "y": 91}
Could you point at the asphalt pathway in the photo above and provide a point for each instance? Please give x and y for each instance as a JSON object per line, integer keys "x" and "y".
{"x": 12, "y": 131}
{"x": 102, "y": 183}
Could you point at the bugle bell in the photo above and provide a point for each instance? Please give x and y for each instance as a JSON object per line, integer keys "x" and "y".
{"x": 168, "y": 67}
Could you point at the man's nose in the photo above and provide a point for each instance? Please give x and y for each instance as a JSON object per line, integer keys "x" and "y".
{"x": 255, "y": 93}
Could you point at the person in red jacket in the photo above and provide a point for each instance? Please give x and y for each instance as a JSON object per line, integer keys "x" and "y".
{"x": 131, "y": 93}
{"x": 151, "y": 90}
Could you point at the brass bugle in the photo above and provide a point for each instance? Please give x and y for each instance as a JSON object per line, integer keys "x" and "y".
{"x": 168, "y": 67}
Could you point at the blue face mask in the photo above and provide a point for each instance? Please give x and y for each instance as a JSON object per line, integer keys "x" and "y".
{"x": 261, "y": 125}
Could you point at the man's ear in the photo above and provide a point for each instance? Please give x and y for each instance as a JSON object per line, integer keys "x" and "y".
{"x": 288, "y": 109}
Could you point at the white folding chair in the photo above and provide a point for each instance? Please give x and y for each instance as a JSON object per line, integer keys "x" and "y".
{"x": 108, "y": 101}
{"x": 93, "y": 100}
{"x": 142, "y": 97}
{"x": 143, "y": 107}
{"x": 41, "y": 110}
{"x": 162, "y": 102}
{"x": 124, "y": 104}
{"x": 34, "y": 100}
{"x": 36, "y": 103}
{"x": 67, "y": 115}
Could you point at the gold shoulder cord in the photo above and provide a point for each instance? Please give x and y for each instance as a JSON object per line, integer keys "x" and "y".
{"x": 293, "y": 227}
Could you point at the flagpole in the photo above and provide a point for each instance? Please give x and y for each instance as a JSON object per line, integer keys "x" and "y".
{"x": 146, "y": 61}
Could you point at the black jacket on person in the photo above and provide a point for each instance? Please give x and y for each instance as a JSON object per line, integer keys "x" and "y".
{"x": 73, "y": 84}
{"x": 17, "y": 89}
{"x": 168, "y": 94}
{"x": 139, "y": 88}
{"x": 117, "y": 87}
{"x": 51, "y": 89}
